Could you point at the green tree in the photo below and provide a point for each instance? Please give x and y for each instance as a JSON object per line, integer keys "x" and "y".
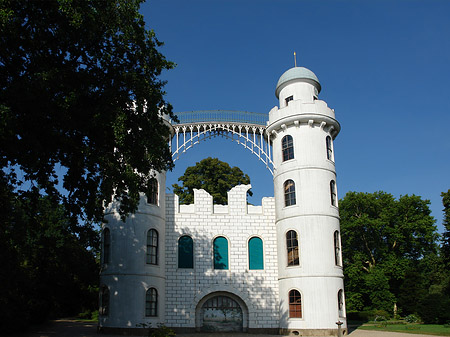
{"x": 80, "y": 94}
{"x": 48, "y": 271}
{"x": 384, "y": 240}
{"x": 445, "y": 246}
{"x": 214, "y": 176}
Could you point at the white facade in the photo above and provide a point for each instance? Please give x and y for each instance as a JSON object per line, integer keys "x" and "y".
{"x": 293, "y": 284}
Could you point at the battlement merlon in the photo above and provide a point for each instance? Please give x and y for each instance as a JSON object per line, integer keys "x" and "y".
{"x": 237, "y": 203}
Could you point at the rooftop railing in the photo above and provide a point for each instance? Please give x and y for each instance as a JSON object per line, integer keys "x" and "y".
{"x": 222, "y": 116}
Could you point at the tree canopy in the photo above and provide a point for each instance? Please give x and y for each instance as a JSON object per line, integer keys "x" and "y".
{"x": 214, "y": 176}
{"x": 48, "y": 271}
{"x": 80, "y": 98}
{"x": 445, "y": 249}
{"x": 386, "y": 242}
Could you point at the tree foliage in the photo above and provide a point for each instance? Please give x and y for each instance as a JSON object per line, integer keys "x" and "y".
{"x": 445, "y": 248}
{"x": 47, "y": 270}
{"x": 80, "y": 94}
{"x": 384, "y": 240}
{"x": 214, "y": 176}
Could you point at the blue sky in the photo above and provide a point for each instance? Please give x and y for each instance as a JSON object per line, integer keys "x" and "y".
{"x": 384, "y": 66}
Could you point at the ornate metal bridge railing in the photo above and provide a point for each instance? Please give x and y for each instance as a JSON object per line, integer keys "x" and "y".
{"x": 245, "y": 128}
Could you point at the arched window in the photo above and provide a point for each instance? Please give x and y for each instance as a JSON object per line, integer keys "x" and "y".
{"x": 341, "y": 302}
{"x": 337, "y": 249}
{"x": 255, "y": 253}
{"x": 220, "y": 253}
{"x": 106, "y": 246}
{"x": 104, "y": 301}
{"x": 152, "y": 247}
{"x": 152, "y": 192}
{"x": 295, "y": 304}
{"x": 185, "y": 252}
{"x": 151, "y": 303}
{"x": 329, "y": 148}
{"x": 287, "y": 146}
{"x": 289, "y": 193}
{"x": 333, "y": 193}
{"x": 292, "y": 248}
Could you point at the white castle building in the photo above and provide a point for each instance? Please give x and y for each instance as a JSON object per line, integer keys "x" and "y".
{"x": 274, "y": 268}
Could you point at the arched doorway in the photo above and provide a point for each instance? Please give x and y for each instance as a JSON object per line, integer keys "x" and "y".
{"x": 221, "y": 313}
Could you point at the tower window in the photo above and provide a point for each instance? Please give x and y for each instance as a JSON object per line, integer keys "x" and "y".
{"x": 289, "y": 193}
{"x": 292, "y": 248}
{"x": 152, "y": 247}
{"x": 329, "y": 148}
{"x": 295, "y": 304}
{"x": 333, "y": 193}
{"x": 287, "y": 145}
{"x": 151, "y": 303}
{"x": 255, "y": 253}
{"x": 220, "y": 250}
{"x": 106, "y": 246}
{"x": 341, "y": 303}
{"x": 337, "y": 249}
{"x": 104, "y": 301}
{"x": 288, "y": 99}
{"x": 152, "y": 192}
{"x": 185, "y": 252}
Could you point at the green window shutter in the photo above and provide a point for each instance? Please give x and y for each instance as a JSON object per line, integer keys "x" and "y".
{"x": 220, "y": 253}
{"x": 185, "y": 252}
{"x": 255, "y": 253}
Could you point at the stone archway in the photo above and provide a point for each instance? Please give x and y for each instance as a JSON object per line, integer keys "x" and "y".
{"x": 221, "y": 312}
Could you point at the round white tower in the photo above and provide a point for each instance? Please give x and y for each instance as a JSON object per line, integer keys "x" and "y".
{"x": 307, "y": 217}
{"x": 133, "y": 262}
{"x": 132, "y": 278}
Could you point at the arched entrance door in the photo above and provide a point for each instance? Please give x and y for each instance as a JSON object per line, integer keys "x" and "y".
{"x": 221, "y": 313}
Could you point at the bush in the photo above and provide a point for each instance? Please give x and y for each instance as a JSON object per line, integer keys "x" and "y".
{"x": 360, "y": 316}
{"x": 412, "y": 318}
{"x": 160, "y": 331}
{"x": 435, "y": 309}
{"x": 381, "y": 314}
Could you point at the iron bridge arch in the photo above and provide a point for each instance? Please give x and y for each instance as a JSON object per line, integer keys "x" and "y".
{"x": 248, "y": 129}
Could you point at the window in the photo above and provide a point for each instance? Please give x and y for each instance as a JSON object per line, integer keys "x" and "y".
{"x": 295, "y": 304}
{"x": 106, "y": 246}
{"x": 287, "y": 146}
{"x": 329, "y": 149}
{"x": 185, "y": 252}
{"x": 152, "y": 192}
{"x": 288, "y": 99}
{"x": 152, "y": 247}
{"x": 104, "y": 301}
{"x": 292, "y": 248}
{"x": 289, "y": 193}
{"x": 255, "y": 253}
{"x": 333, "y": 193}
{"x": 341, "y": 302}
{"x": 220, "y": 253}
{"x": 337, "y": 249}
{"x": 151, "y": 303}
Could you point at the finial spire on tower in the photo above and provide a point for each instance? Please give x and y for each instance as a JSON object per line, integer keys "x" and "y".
{"x": 295, "y": 59}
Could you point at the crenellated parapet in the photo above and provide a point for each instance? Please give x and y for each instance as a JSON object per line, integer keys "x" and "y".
{"x": 237, "y": 203}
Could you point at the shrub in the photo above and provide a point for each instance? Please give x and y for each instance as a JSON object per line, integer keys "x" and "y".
{"x": 435, "y": 309}
{"x": 412, "y": 318}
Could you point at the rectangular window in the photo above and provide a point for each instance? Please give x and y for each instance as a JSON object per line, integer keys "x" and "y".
{"x": 288, "y": 99}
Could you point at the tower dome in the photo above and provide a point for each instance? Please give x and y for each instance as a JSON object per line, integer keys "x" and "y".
{"x": 297, "y": 74}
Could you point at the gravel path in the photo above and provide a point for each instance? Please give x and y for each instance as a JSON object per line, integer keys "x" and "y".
{"x": 71, "y": 328}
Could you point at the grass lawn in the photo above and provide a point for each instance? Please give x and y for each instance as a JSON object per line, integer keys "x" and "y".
{"x": 425, "y": 329}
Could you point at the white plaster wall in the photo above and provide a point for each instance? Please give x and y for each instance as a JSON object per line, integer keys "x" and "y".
{"x": 128, "y": 276}
{"x": 319, "y": 303}
{"x": 299, "y": 90}
{"x": 186, "y": 288}
{"x": 309, "y": 121}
